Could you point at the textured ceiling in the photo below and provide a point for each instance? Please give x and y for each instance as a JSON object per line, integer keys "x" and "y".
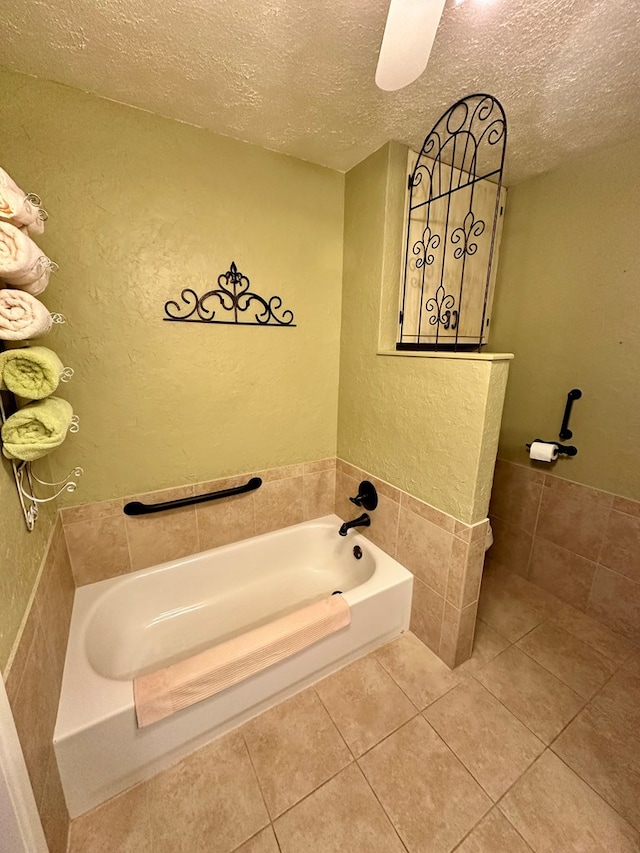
{"x": 298, "y": 76}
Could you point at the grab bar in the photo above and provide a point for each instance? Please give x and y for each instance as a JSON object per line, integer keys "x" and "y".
{"x": 565, "y": 432}
{"x": 137, "y": 508}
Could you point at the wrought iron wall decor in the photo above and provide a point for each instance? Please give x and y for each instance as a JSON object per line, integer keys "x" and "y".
{"x": 231, "y": 303}
{"x": 453, "y": 209}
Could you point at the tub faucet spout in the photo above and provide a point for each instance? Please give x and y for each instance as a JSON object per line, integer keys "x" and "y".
{"x": 363, "y": 520}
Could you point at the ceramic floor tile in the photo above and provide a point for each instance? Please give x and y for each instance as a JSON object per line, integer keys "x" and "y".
{"x": 295, "y": 747}
{"x": 343, "y": 815}
{"x": 580, "y": 666}
{"x": 587, "y": 802}
{"x": 620, "y": 697}
{"x": 491, "y": 743}
{"x": 263, "y": 842}
{"x": 602, "y": 753}
{"x": 487, "y": 644}
{"x": 613, "y": 646}
{"x": 417, "y": 670}
{"x": 561, "y": 572}
{"x": 556, "y": 812}
{"x": 536, "y": 697}
{"x": 365, "y": 703}
{"x": 120, "y": 825}
{"x": 209, "y": 803}
{"x": 431, "y": 799}
{"x": 494, "y": 834}
{"x": 506, "y": 608}
{"x": 545, "y": 602}
{"x": 615, "y": 600}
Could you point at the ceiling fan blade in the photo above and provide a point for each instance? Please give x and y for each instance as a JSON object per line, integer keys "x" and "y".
{"x": 407, "y": 41}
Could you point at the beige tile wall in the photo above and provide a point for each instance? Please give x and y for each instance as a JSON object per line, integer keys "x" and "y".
{"x": 33, "y": 678}
{"x": 445, "y": 556}
{"x": 103, "y": 542}
{"x": 97, "y": 541}
{"x": 577, "y": 542}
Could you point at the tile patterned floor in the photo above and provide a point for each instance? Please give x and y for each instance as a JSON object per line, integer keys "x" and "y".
{"x": 532, "y": 745}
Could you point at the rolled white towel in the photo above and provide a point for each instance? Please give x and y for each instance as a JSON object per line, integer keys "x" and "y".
{"x": 37, "y": 226}
{"x": 7, "y": 181}
{"x": 35, "y": 279}
{"x": 21, "y": 261}
{"x": 19, "y": 209}
{"x": 35, "y": 286}
{"x": 22, "y": 316}
{"x": 31, "y": 213}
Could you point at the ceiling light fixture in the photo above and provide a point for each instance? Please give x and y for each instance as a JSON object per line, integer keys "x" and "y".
{"x": 407, "y": 41}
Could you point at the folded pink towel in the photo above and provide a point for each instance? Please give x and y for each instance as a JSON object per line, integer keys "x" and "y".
{"x": 161, "y": 693}
{"x": 22, "y": 262}
{"x": 22, "y": 316}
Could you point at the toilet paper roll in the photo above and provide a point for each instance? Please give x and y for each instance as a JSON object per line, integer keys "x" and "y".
{"x": 488, "y": 542}
{"x": 543, "y": 451}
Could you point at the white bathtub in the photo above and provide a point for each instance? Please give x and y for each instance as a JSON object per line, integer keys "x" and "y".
{"x": 139, "y": 622}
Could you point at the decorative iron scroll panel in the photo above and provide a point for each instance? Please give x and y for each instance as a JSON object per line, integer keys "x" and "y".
{"x": 455, "y": 199}
{"x": 231, "y": 303}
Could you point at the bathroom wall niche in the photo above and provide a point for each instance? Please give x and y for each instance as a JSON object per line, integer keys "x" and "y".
{"x": 453, "y": 223}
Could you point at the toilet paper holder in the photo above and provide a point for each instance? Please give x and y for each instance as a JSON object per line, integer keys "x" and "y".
{"x": 563, "y": 449}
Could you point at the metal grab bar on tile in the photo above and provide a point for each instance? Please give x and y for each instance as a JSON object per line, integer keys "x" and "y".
{"x": 138, "y": 508}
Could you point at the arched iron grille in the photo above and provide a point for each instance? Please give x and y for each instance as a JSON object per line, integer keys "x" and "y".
{"x": 453, "y": 209}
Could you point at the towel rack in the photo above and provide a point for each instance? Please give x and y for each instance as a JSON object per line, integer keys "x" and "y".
{"x": 138, "y": 508}
{"x": 23, "y": 473}
{"x": 26, "y": 479}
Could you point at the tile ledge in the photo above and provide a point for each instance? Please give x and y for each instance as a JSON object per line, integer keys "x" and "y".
{"x": 459, "y": 356}
{"x": 30, "y": 603}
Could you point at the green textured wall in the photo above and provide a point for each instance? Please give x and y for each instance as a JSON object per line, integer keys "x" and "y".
{"x": 140, "y": 208}
{"x": 427, "y": 425}
{"x": 568, "y": 305}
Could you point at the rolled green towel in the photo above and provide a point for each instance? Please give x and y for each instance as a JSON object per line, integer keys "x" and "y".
{"x": 31, "y": 372}
{"x": 37, "y": 429}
